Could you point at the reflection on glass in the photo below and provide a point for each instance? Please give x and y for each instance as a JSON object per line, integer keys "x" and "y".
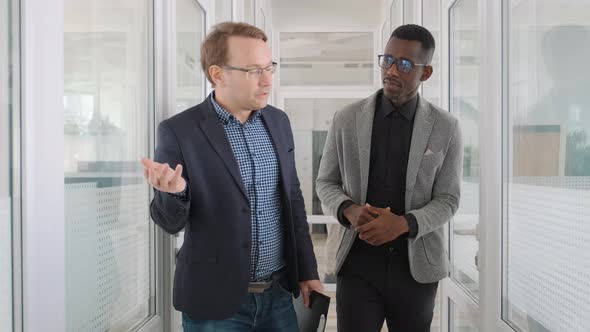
{"x": 461, "y": 321}
{"x": 431, "y": 14}
{"x": 547, "y": 255}
{"x": 190, "y": 31}
{"x": 8, "y": 111}
{"x": 464, "y": 62}
{"x": 106, "y": 108}
{"x": 396, "y": 14}
{"x": 326, "y": 58}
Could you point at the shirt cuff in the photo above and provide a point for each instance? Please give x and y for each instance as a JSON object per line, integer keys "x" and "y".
{"x": 183, "y": 195}
{"x": 340, "y": 214}
{"x": 412, "y": 224}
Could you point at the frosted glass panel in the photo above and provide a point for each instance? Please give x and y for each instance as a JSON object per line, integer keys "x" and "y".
{"x": 547, "y": 184}
{"x": 190, "y": 32}
{"x": 326, "y": 58}
{"x": 464, "y": 82}
{"x": 107, "y": 110}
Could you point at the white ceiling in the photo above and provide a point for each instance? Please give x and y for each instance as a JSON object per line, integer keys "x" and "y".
{"x": 327, "y": 15}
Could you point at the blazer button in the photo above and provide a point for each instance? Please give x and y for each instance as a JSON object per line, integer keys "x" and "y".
{"x": 245, "y": 210}
{"x": 246, "y": 246}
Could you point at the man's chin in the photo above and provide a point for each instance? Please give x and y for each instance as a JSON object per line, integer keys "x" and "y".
{"x": 390, "y": 95}
{"x": 260, "y": 104}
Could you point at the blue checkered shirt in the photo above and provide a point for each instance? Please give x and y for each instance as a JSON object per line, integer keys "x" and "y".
{"x": 259, "y": 167}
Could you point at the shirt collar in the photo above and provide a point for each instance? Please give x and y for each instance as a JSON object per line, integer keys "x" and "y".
{"x": 225, "y": 116}
{"x": 408, "y": 110}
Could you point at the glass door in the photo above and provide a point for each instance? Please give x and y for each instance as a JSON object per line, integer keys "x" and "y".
{"x": 462, "y": 288}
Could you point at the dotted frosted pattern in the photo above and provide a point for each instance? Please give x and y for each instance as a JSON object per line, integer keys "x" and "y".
{"x": 107, "y": 256}
{"x": 549, "y": 251}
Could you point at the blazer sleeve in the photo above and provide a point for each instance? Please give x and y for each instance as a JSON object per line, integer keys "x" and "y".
{"x": 329, "y": 180}
{"x": 170, "y": 212}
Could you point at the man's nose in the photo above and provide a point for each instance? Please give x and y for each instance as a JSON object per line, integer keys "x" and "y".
{"x": 392, "y": 71}
{"x": 266, "y": 78}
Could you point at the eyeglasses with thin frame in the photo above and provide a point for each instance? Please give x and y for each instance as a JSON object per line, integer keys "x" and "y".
{"x": 254, "y": 73}
{"x": 403, "y": 65}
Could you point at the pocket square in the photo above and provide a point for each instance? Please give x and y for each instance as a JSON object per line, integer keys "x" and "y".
{"x": 428, "y": 152}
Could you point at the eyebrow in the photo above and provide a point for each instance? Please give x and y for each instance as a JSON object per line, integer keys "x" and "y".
{"x": 257, "y": 66}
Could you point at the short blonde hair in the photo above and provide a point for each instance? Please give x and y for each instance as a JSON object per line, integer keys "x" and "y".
{"x": 214, "y": 48}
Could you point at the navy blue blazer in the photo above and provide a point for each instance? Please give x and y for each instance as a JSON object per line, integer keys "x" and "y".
{"x": 212, "y": 267}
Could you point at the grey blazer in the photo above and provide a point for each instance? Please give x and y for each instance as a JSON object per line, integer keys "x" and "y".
{"x": 432, "y": 185}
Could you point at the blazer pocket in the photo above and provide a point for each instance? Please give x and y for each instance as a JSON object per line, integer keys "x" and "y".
{"x": 432, "y": 251}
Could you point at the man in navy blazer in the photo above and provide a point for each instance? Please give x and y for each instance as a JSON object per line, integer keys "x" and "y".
{"x": 224, "y": 171}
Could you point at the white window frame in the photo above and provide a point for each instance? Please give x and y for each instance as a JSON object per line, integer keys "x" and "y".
{"x": 42, "y": 34}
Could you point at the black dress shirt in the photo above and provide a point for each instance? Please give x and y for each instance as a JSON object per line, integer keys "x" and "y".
{"x": 390, "y": 147}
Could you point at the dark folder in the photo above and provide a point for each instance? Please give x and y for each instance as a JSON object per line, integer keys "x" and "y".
{"x": 312, "y": 319}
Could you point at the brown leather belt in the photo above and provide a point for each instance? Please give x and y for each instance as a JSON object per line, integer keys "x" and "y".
{"x": 257, "y": 287}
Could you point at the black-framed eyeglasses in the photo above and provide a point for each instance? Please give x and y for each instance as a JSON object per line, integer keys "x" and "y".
{"x": 254, "y": 73}
{"x": 403, "y": 65}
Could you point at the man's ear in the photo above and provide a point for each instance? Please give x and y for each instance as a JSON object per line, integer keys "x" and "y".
{"x": 216, "y": 74}
{"x": 426, "y": 73}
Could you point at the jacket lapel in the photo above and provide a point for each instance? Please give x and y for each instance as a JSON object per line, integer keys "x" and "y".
{"x": 421, "y": 133}
{"x": 364, "y": 131}
{"x": 273, "y": 126}
{"x": 217, "y": 137}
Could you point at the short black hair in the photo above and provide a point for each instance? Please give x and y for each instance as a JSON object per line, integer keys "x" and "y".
{"x": 417, "y": 33}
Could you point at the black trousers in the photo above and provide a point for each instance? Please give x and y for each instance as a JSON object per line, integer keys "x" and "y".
{"x": 375, "y": 285}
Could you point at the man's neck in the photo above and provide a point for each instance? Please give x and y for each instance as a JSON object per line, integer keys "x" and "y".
{"x": 241, "y": 115}
{"x": 402, "y": 100}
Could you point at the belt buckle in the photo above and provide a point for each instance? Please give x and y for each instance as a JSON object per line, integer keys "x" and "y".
{"x": 258, "y": 287}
